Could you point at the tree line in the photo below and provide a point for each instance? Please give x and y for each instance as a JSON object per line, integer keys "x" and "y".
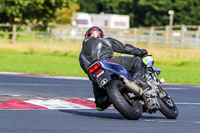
{"x": 147, "y": 12}
{"x": 141, "y": 12}
{"x": 38, "y": 12}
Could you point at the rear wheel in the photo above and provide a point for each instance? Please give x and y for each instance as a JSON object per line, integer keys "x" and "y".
{"x": 130, "y": 109}
{"x": 167, "y": 106}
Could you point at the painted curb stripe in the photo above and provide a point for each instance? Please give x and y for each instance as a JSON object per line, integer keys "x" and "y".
{"x": 57, "y": 104}
{"x": 84, "y": 102}
{"x": 18, "y": 104}
{"x": 89, "y": 102}
{"x": 24, "y": 74}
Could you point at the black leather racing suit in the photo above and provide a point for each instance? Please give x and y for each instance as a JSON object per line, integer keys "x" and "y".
{"x": 103, "y": 49}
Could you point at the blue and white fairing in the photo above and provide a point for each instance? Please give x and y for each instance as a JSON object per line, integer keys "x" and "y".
{"x": 115, "y": 68}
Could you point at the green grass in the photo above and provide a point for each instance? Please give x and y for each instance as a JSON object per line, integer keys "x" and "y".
{"x": 41, "y": 63}
{"x": 57, "y": 63}
{"x": 188, "y": 74}
{"x": 183, "y": 67}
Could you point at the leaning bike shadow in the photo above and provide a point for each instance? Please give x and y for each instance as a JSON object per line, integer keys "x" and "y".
{"x": 107, "y": 115}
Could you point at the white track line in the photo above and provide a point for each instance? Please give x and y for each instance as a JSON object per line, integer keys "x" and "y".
{"x": 177, "y": 86}
{"x": 28, "y": 84}
{"x": 188, "y": 103}
{"x": 45, "y": 76}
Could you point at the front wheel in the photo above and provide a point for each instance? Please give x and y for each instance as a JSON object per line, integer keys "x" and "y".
{"x": 132, "y": 111}
{"x": 167, "y": 106}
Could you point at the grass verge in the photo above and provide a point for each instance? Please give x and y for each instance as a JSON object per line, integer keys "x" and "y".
{"x": 178, "y": 66}
{"x": 41, "y": 63}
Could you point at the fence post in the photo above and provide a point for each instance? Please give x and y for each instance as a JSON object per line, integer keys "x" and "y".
{"x": 167, "y": 35}
{"x": 197, "y": 37}
{"x": 14, "y": 29}
{"x": 151, "y": 36}
{"x": 183, "y": 29}
{"x": 135, "y": 30}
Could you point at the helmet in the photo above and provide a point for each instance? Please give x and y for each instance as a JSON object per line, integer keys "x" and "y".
{"x": 95, "y": 32}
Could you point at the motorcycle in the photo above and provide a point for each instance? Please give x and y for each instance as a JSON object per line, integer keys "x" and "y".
{"x": 126, "y": 96}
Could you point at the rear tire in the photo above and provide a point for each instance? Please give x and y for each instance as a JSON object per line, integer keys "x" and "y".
{"x": 131, "y": 111}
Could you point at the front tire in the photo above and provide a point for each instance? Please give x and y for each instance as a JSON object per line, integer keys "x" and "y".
{"x": 131, "y": 111}
{"x": 167, "y": 106}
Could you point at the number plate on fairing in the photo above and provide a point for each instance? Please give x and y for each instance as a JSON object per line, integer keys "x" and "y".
{"x": 103, "y": 78}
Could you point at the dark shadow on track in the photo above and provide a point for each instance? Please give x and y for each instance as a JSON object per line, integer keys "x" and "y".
{"x": 105, "y": 115}
{"x": 153, "y": 117}
{"x": 94, "y": 114}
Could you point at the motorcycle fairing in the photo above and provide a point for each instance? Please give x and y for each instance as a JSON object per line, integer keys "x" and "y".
{"x": 150, "y": 64}
{"x": 115, "y": 68}
{"x": 109, "y": 68}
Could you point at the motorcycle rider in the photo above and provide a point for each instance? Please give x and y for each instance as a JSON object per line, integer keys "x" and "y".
{"x": 95, "y": 47}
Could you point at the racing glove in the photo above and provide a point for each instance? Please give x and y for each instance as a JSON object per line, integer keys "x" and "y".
{"x": 143, "y": 52}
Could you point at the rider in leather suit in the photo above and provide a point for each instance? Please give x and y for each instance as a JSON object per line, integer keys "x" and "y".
{"x": 96, "y": 47}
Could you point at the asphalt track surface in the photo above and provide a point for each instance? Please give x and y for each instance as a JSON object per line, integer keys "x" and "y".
{"x": 89, "y": 120}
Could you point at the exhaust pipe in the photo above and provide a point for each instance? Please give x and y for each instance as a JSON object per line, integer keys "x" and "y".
{"x": 132, "y": 86}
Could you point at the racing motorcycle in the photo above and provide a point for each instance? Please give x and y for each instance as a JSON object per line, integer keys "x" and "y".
{"x": 126, "y": 96}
